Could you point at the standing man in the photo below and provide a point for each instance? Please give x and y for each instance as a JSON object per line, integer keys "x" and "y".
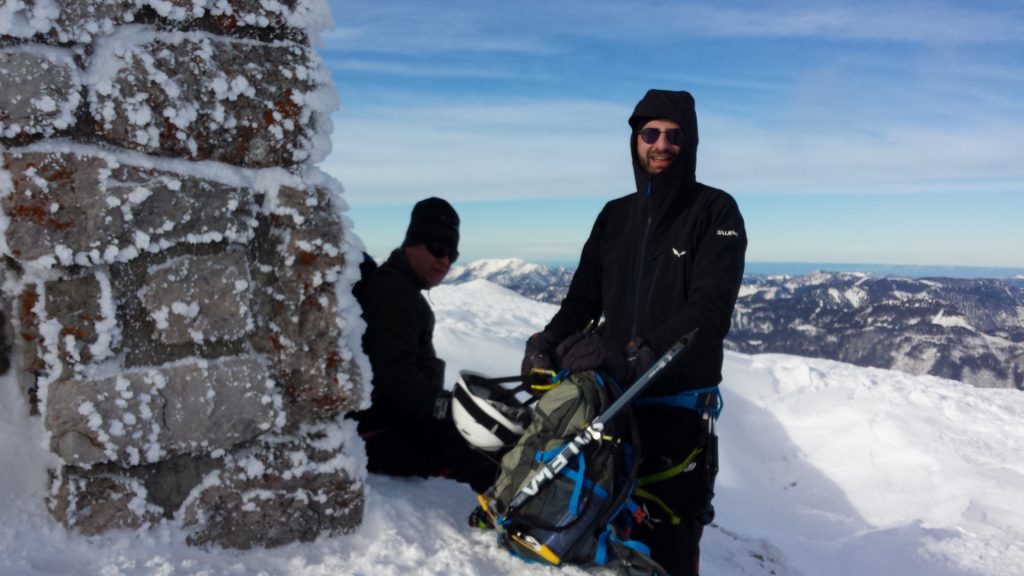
{"x": 408, "y": 428}
{"x": 658, "y": 264}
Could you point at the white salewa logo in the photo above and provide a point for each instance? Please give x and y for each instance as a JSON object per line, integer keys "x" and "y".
{"x": 728, "y": 233}
{"x": 678, "y": 253}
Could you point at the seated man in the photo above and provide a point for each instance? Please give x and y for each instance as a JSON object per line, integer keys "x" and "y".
{"x": 408, "y": 429}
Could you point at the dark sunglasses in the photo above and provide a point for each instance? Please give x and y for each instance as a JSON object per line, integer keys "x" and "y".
{"x": 441, "y": 249}
{"x": 651, "y": 135}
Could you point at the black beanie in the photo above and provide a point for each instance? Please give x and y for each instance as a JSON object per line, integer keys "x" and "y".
{"x": 677, "y": 106}
{"x": 433, "y": 220}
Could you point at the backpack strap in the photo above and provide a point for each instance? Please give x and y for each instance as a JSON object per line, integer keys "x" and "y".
{"x": 709, "y": 404}
{"x": 578, "y": 477}
{"x": 606, "y": 537}
{"x": 685, "y": 466}
{"x": 634, "y": 556}
{"x": 534, "y": 384}
{"x": 703, "y": 401}
{"x": 499, "y": 392}
{"x": 673, "y": 518}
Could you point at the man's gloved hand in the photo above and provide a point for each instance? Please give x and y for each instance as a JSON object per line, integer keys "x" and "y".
{"x": 539, "y": 348}
{"x": 565, "y": 345}
{"x": 590, "y": 351}
{"x": 639, "y": 357}
{"x": 442, "y": 405}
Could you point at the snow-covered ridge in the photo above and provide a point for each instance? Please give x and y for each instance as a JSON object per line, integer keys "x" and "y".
{"x": 534, "y": 281}
{"x": 968, "y": 330}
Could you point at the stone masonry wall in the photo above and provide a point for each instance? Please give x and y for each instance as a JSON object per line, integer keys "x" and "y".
{"x": 177, "y": 272}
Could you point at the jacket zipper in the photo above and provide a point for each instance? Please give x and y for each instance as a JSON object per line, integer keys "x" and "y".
{"x": 643, "y": 261}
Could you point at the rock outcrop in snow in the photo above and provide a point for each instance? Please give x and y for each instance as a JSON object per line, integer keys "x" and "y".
{"x": 178, "y": 272}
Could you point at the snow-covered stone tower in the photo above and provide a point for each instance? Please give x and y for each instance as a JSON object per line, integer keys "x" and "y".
{"x": 177, "y": 272}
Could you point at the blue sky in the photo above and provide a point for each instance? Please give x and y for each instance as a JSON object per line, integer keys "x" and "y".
{"x": 867, "y": 132}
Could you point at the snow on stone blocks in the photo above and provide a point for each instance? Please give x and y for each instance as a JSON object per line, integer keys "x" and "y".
{"x": 86, "y": 206}
{"x": 178, "y": 273}
{"x": 283, "y": 489}
{"x": 303, "y": 301}
{"x": 80, "y": 306}
{"x": 199, "y": 298}
{"x": 98, "y": 503}
{"x": 142, "y": 416}
{"x": 41, "y": 91}
{"x": 197, "y": 96}
{"x": 64, "y": 21}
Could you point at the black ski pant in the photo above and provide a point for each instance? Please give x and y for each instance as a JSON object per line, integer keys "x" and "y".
{"x": 430, "y": 448}
{"x": 669, "y": 436}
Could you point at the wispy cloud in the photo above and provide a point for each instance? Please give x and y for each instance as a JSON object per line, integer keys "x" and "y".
{"x": 531, "y": 26}
{"x": 497, "y": 151}
{"x": 518, "y": 151}
{"x": 929, "y": 22}
{"x": 345, "y": 65}
{"x": 814, "y": 103}
{"x": 898, "y": 159}
{"x": 411, "y": 27}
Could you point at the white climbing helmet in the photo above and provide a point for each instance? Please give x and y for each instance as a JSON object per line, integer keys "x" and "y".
{"x": 487, "y": 414}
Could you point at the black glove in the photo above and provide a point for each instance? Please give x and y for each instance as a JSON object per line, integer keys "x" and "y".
{"x": 582, "y": 352}
{"x": 639, "y": 357}
{"x": 538, "y": 353}
{"x": 442, "y": 405}
{"x": 563, "y": 348}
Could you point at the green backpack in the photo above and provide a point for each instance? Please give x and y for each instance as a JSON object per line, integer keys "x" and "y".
{"x": 584, "y": 514}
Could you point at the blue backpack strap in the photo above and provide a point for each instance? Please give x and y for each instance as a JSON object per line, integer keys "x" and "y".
{"x": 634, "y": 544}
{"x": 578, "y": 476}
{"x": 575, "y": 475}
{"x": 703, "y": 400}
{"x": 545, "y": 456}
{"x": 577, "y": 489}
{"x": 601, "y": 552}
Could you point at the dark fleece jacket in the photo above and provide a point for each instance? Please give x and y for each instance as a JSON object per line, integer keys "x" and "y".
{"x": 662, "y": 261}
{"x": 407, "y": 374}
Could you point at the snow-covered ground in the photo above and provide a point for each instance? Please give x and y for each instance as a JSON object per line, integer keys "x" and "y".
{"x": 827, "y": 469}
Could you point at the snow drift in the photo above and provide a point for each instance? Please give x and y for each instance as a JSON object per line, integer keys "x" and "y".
{"x": 827, "y": 469}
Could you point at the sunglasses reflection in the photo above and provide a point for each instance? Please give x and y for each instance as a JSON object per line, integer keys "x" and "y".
{"x": 651, "y": 135}
{"x": 440, "y": 250}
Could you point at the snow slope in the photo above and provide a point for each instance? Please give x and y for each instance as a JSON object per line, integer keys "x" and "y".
{"x": 827, "y": 469}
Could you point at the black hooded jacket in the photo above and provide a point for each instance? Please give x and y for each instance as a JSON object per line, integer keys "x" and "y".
{"x": 662, "y": 261}
{"x": 407, "y": 374}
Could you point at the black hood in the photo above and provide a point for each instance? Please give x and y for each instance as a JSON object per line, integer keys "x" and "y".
{"x": 674, "y": 183}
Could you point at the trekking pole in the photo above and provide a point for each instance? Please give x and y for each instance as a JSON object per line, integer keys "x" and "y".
{"x": 594, "y": 429}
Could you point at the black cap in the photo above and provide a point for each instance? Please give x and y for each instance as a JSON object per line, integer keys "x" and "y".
{"x": 433, "y": 221}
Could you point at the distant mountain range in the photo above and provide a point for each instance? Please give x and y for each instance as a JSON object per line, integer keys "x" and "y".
{"x": 971, "y": 330}
{"x": 536, "y": 281}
